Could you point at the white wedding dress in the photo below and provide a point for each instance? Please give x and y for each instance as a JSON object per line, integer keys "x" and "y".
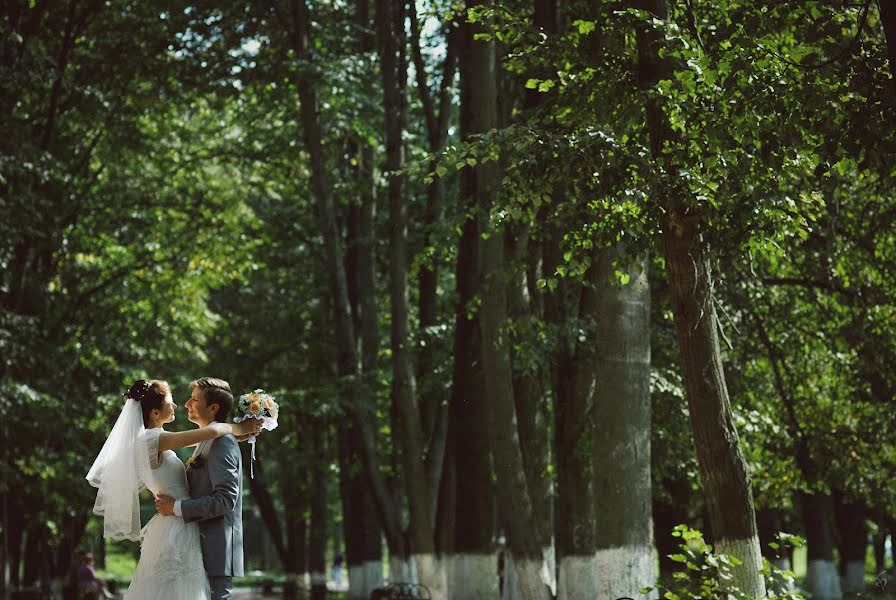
{"x": 170, "y": 566}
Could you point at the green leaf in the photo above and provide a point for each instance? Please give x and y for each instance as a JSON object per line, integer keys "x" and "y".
{"x": 585, "y": 27}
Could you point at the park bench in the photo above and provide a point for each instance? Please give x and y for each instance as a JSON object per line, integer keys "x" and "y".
{"x": 401, "y": 591}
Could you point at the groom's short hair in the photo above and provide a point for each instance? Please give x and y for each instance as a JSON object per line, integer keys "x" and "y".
{"x": 216, "y": 391}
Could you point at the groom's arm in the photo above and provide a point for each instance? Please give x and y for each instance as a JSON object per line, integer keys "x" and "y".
{"x": 223, "y": 464}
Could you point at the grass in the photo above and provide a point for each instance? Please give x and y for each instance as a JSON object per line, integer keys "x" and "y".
{"x": 119, "y": 567}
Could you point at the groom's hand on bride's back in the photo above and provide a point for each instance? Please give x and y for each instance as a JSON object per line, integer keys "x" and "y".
{"x": 165, "y": 505}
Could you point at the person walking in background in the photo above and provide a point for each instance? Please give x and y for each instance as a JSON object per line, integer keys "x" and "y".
{"x": 337, "y": 568}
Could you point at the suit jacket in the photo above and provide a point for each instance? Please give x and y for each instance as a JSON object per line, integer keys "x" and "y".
{"x": 216, "y": 503}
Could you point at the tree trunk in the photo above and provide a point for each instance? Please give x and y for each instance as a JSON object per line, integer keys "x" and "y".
{"x": 470, "y": 563}
{"x": 363, "y": 547}
{"x": 14, "y": 549}
{"x": 621, "y": 421}
{"x": 349, "y": 365}
{"x": 723, "y": 470}
{"x": 73, "y": 532}
{"x": 514, "y": 503}
{"x": 852, "y": 544}
{"x": 821, "y": 573}
{"x": 363, "y": 544}
{"x": 768, "y": 525}
{"x": 888, "y": 19}
{"x": 573, "y": 378}
{"x": 317, "y": 539}
{"x": 530, "y": 397}
{"x": 666, "y": 515}
{"x": 390, "y": 16}
{"x": 433, "y": 408}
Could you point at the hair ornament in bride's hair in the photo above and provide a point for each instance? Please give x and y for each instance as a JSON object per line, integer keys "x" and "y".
{"x": 138, "y": 390}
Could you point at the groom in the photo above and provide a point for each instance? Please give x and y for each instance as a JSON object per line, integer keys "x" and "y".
{"x": 214, "y": 474}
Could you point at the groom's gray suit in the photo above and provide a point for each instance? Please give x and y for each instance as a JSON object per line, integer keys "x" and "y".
{"x": 216, "y": 503}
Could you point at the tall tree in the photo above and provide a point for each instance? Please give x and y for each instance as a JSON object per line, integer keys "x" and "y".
{"x": 622, "y": 426}
{"x": 438, "y": 110}
{"x": 391, "y": 16}
{"x": 478, "y": 66}
{"x": 298, "y": 25}
{"x": 688, "y": 255}
{"x": 363, "y": 551}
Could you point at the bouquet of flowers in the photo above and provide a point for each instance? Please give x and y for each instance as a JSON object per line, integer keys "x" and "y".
{"x": 258, "y": 405}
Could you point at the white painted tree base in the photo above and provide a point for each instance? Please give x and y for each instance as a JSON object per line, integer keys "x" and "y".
{"x": 531, "y": 582}
{"x": 511, "y": 589}
{"x": 622, "y": 571}
{"x": 363, "y": 579}
{"x": 471, "y": 576}
{"x": 822, "y": 580}
{"x": 745, "y": 576}
{"x": 401, "y": 570}
{"x": 577, "y": 578}
{"x": 523, "y": 580}
{"x": 430, "y": 573}
{"x": 549, "y": 568}
{"x": 855, "y": 578}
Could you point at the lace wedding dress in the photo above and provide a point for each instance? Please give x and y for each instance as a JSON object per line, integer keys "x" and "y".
{"x": 170, "y": 566}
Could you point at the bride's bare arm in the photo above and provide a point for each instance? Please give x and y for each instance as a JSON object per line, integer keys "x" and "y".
{"x": 168, "y": 440}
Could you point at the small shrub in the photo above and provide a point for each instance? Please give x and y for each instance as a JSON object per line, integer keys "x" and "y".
{"x": 706, "y": 575}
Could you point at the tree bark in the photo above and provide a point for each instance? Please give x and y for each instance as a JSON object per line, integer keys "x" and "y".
{"x": 572, "y": 379}
{"x": 433, "y": 408}
{"x": 723, "y": 469}
{"x": 888, "y": 19}
{"x": 666, "y": 515}
{"x": 390, "y": 16}
{"x": 471, "y": 566}
{"x": 821, "y": 573}
{"x": 530, "y": 396}
{"x": 769, "y": 523}
{"x": 621, "y": 421}
{"x": 287, "y": 535}
{"x": 317, "y": 539}
{"x": 363, "y": 549}
{"x": 514, "y": 503}
{"x": 14, "y": 549}
{"x": 852, "y": 543}
{"x": 349, "y": 365}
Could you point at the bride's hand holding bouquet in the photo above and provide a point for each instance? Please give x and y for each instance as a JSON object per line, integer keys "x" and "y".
{"x": 261, "y": 406}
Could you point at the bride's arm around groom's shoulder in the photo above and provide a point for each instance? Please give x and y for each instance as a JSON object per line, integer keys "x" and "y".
{"x": 169, "y": 440}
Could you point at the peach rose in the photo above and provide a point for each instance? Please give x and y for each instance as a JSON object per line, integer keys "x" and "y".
{"x": 255, "y": 407}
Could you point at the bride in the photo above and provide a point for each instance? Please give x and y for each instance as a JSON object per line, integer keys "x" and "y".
{"x": 137, "y": 454}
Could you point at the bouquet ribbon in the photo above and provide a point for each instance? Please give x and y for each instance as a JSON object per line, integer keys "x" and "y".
{"x": 267, "y": 423}
{"x": 252, "y": 460}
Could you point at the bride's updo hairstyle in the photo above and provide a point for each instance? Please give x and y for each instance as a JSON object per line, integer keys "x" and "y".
{"x": 150, "y": 394}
